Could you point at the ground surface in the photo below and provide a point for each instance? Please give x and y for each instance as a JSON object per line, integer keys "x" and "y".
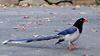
{"x": 45, "y": 21}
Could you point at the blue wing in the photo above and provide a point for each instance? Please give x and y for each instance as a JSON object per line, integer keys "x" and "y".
{"x": 68, "y": 31}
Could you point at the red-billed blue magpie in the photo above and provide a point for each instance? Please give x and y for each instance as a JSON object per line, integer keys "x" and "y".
{"x": 70, "y": 35}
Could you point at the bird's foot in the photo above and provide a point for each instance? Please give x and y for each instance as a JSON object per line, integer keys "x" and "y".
{"x": 72, "y": 47}
{"x": 75, "y": 46}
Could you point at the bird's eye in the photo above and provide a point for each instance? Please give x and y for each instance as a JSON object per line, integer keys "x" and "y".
{"x": 80, "y": 20}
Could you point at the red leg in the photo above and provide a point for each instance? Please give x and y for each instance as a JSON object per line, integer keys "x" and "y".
{"x": 72, "y": 47}
{"x": 75, "y": 46}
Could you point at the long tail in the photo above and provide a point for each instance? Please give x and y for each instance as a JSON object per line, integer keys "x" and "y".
{"x": 33, "y": 39}
{"x": 43, "y": 38}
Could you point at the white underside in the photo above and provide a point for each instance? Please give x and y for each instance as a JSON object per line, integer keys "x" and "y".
{"x": 72, "y": 37}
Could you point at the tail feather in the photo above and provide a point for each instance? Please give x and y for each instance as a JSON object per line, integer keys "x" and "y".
{"x": 35, "y": 39}
{"x": 43, "y": 38}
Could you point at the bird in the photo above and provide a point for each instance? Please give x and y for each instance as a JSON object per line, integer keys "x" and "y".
{"x": 69, "y": 35}
{"x": 73, "y": 33}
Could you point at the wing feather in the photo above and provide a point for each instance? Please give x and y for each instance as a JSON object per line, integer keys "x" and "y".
{"x": 68, "y": 31}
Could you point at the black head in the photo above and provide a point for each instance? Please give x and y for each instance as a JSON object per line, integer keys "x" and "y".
{"x": 79, "y": 23}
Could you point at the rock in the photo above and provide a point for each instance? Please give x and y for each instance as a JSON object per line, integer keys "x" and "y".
{"x": 31, "y": 2}
{"x": 54, "y": 1}
{"x": 24, "y": 3}
{"x": 12, "y": 5}
{"x": 77, "y": 6}
{"x": 9, "y": 2}
{"x": 84, "y": 2}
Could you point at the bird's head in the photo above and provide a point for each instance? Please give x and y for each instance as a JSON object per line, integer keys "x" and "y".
{"x": 79, "y": 23}
{"x": 82, "y": 20}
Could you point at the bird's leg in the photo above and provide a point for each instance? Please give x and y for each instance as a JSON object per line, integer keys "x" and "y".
{"x": 72, "y": 46}
{"x": 75, "y": 46}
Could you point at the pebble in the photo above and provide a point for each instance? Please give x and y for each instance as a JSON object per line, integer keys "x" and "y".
{"x": 93, "y": 29}
{"x": 26, "y": 5}
{"x": 12, "y": 5}
{"x": 57, "y": 30}
{"x": 77, "y": 6}
{"x": 85, "y": 55}
{"x": 0, "y": 4}
{"x": 23, "y": 28}
{"x": 35, "y": 35}
{"x": 5, "y": 7}
{"x": 45, "y": 5}
{"x": 73, "y": 8}
{"x": 53, "y": 13}
{"x": 26, "y": 17}
{"x": 15, "y": 28}
{"x": 67, "y": 5}
{"x": 48, "y": 19}
{"x": 61, "y": 6}
{"x": 82, "y": 13}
